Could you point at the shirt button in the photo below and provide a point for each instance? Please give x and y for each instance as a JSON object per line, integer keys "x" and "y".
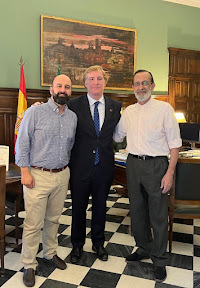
{"x": 60, "y": 147}
{"x": 93, "y": 151}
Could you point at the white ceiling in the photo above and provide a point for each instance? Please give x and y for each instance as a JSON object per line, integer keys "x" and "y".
{"x": 193, "y": 3}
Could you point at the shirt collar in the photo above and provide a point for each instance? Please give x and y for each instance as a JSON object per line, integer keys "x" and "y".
{"x": 54, "y": 106}
{"x": 92, "y": 101}
{"x": 146, "y": 105}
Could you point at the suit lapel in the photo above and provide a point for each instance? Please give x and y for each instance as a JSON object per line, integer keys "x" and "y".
{"x": 108, "y": 112}
{"x": 85, "y": 107}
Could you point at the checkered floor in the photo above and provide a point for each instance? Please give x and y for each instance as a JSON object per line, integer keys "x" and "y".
{"x": 183, "y": 269}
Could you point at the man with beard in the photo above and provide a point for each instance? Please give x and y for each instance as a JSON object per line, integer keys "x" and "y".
{"x": 152, "y": 133}
{"x": 43, "y": 149}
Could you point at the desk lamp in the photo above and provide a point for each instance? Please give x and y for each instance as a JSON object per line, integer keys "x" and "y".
{"x": 180, "y": 117}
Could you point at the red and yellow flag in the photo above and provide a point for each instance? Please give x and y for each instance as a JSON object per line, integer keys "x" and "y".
{"x": 22, "y": 103}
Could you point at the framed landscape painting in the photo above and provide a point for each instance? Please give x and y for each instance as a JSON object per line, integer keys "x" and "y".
{"x": 72, "y": 46}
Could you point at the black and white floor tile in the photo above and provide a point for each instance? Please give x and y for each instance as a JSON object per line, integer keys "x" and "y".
{"x": 183, "y": 269}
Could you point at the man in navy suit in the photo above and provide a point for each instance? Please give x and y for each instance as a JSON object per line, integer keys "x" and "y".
{"x": 92, "y": 161}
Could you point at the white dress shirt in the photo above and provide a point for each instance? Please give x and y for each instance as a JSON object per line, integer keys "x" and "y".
{"x": 151, "y": 129}
{"x": 101, "y": 108}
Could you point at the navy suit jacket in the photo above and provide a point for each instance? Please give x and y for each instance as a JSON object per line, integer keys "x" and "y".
{"x": 86, "y": 140}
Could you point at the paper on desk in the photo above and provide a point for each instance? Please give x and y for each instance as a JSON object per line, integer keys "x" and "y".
{"x": 4, "y": 156}
{"x": 121, "y": 155}
{"x": 190, "y": 153}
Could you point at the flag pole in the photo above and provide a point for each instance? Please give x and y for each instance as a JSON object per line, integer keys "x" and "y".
{"x": 22, "y": 101}
{"x": 21, "y": 62}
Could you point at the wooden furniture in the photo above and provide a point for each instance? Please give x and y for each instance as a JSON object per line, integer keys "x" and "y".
{"x": 10, "y": 180}
{"x": 184, "y": 199}
{"x": 120, "y": 179}
{"x": 14, "y": 195}
{"x": 2, "y": 214}
{"x": 184, "y": 82}
{"x": 8, "y": 112}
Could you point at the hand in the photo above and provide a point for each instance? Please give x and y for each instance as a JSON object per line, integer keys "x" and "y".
{"x": 37, "y": 103}
{"x": 27, "y": 179}
{"x": 166, "y": 182}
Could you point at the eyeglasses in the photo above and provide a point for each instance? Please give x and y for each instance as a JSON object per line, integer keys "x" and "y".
{"x": 143, "y": 83}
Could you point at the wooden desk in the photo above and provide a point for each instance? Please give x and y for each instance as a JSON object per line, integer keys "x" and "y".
{"x": 7, "y": 181}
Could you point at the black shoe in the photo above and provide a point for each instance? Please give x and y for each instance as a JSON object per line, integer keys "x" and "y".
{"x": 101, "y": 253}
{"x": 75, "y": 254}
{"x": 29, "y": 277}
{"x": 57, "y": 261}
{"x": 160, "y": 273}
{"x": 135, "y": 257}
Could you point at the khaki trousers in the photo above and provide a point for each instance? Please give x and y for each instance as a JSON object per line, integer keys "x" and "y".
{"x": 43, "y": 206}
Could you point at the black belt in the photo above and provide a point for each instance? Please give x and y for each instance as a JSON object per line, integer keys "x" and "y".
{"x": 50, "y": 170}
{"x": 144, "y": 157}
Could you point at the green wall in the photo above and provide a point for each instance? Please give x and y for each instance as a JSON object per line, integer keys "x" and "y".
{"x": 159, "y": 25}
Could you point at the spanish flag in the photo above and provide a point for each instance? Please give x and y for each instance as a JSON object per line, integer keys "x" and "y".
{"x": 22, "y": 103}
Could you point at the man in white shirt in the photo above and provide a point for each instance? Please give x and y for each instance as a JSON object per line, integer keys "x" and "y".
{"x": 152, "y": 133}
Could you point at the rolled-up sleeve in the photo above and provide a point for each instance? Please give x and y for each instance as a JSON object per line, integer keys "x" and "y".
{"x": 172, "y": 129}
{"x": 120, "y": 130}
{"x": 23, "y": 143}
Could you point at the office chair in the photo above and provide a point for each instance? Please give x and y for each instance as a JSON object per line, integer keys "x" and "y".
{"x": 184, "y": 198}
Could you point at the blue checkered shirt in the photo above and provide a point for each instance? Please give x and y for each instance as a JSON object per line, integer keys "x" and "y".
{"x": 45, "y": 137}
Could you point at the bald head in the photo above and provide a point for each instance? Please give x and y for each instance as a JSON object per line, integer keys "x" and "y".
{"x": 61, "y": 79}
{"x": 61, "y": 89}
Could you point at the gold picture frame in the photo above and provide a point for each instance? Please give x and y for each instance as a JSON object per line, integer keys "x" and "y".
{"x": 72, "y": 46}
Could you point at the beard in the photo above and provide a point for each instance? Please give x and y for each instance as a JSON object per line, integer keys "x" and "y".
{"x": 144, "y": 97}
{"x": 61, "y": 100}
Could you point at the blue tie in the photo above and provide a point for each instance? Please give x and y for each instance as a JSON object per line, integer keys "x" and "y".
{"x": 96, "y": 125}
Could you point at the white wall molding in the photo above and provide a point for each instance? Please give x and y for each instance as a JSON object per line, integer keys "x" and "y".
{"x": 193, "y": 3}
